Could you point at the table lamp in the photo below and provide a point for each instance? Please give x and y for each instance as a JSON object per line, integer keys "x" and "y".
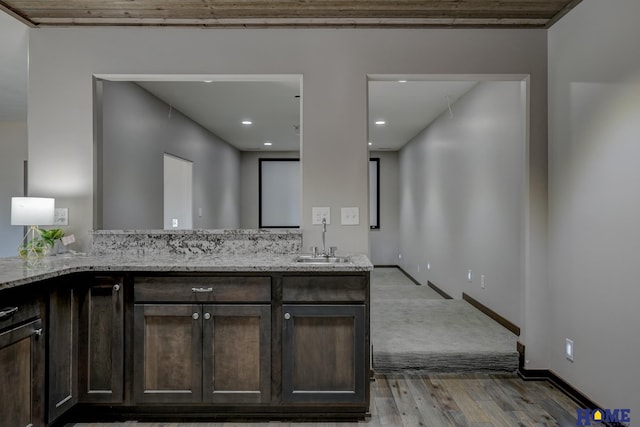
{"x": 32, "y": 212}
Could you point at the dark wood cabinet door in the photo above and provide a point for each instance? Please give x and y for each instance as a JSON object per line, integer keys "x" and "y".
{"x": 21, "y": 356}
{"x": 167, "y": 353}
{"x": 63, "y": 350}
{"x": 324, "y": 355}
{"x": 101, "y": 348}
{"x": 237, "y": 353}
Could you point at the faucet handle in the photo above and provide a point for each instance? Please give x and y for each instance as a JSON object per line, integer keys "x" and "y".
{"x": 332, "y": 251}
{"x": 314, "y": 251}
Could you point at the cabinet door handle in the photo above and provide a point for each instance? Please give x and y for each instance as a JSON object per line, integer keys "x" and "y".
{"x": 198, "y": 290}
{"x": 207, "y": 316}
{"x": 195, "y": 316}
{"x": 116, "y": 287}
{"x": 38, "y": 332}
{"x": 287, "y": 316}
{"x": 7, "y": 312}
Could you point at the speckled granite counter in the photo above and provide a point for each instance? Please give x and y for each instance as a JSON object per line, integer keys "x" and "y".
{"x": 196, "y": 242}
{"x": 13, "y": 272}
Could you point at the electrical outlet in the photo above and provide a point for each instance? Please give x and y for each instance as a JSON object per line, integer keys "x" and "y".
{"x": 319, "y": 213}
{"x": 569, "y": 349}
{"x": 482, "y": 281}
{"x": 174, "y": 222}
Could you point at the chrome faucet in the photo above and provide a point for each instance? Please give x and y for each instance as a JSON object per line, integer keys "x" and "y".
{"x": 324, "y": 253}
{"x": 324, "y": 231}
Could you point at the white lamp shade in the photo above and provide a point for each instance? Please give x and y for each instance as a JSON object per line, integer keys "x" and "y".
{"x": 32, "y": 210}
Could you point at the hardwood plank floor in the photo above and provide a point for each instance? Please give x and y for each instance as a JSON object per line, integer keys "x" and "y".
{"x": 438, "y": 400}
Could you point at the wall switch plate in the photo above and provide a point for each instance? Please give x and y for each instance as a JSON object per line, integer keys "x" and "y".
{"x": 428, "y": 265}
{"x": 482, "y": 281}
{"x": 319, "y": 213}
{"x": 569, "y": 349}
{"x": 469, "y": 276}
{"x": 350, "y": 216}
{"x": 61, "y": 216}
{"x": 174, "y": 222}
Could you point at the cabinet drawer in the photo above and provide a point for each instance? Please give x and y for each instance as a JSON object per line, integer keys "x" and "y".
{"x": 324, "y": 289}
{"x": 15, "y": 312}
{"x": 202, "y": 289}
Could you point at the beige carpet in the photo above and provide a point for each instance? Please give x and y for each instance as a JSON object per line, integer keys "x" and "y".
{"x": 414, "y": 329}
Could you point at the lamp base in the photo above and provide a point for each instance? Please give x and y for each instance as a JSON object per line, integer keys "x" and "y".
{"x": 32, "y": 248}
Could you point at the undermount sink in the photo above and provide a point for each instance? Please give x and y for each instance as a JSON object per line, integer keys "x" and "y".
{"x": 309, "y": 259}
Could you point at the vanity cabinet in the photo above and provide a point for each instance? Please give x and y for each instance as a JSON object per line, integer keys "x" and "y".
{"x": 106, "y": 345}
{"x": 21, "y": 363}
{"x": 101, "y": 343}
{"x": 202, "y": 340}
{"x": 325, "y": 339}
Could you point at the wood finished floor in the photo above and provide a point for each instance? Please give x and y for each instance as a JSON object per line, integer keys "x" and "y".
{"x": 473, "y": 400}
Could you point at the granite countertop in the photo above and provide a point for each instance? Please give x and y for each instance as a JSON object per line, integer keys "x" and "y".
{"x": 232, "y": 231}
{"x": 13, "y": 272}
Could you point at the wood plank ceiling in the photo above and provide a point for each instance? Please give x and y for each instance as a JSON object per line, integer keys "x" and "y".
{"x": 291, "y": 13}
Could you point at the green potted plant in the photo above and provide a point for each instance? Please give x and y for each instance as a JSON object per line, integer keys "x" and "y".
{"x": 50, "y": 237}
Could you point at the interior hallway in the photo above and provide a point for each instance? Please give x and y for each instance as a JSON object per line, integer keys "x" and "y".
{"x": 414, "y": 329}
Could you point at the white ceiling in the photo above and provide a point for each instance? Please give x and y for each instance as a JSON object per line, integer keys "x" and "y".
{"x": 273, "y": 107}
{"x": 408, "y": 107}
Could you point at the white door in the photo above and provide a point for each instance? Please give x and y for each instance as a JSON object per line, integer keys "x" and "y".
{"x": 178, "y": 193}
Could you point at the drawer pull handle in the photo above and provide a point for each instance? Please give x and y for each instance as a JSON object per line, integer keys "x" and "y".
{"x": 195, "y": 316}
{"x": 287, "y": 316}
{"x": 116, "y": 287}
{"x": 7, "y": 312}
{"x": 38, "y": 332}
{"x": 201, "y": 290}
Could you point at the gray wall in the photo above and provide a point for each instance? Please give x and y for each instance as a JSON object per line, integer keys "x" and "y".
{"x": 594, "y": 203}
{"x": 462, "y": 199}
{"x": 13, "y": 125}
{"x": 335, "y": 64}
{"x": 249, "y": 161}
{"x": 13, "y": 144}
{"x": 137, "y": 131}
{"x": 385, "y": 240}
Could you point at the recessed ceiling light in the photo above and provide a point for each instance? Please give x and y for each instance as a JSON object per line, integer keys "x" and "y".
{"x": 380, "y": 122}
{"x": 370, "y": 143}
{"x": 268, "y": 143}
{"x": 208, "y": 81}
{"x": 247, "y": 122}
{"x": 402, "y": 81}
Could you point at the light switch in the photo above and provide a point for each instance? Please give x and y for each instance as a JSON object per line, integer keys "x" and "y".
{"x": 174, "y": 222}
{"x": 319, "y": 213}
{"x": 350, "y": 216}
